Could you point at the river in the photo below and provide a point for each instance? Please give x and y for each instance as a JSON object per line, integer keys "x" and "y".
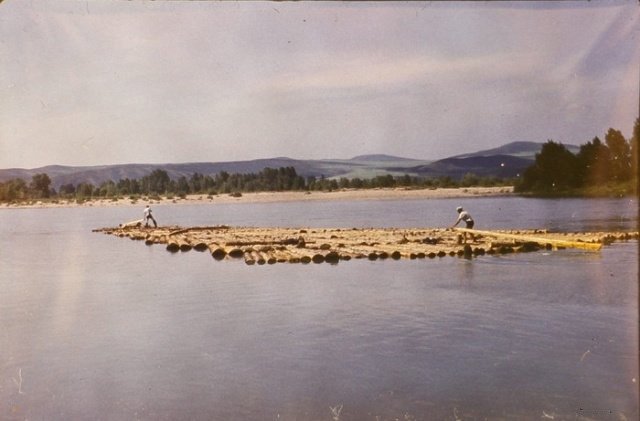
{"x": 99, "y": 327}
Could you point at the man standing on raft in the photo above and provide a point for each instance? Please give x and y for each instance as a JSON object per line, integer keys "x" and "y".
{"x": 147, "y": 215}
{"x": 463, "y": 215}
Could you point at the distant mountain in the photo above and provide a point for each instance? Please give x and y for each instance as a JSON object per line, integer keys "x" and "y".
{"x": 505, "y": 161}
{"x": 98, "y": 174}
{"x": 380, "y": 158}
{"x": 503, "y": 166}
{"x": 527, "y": 150}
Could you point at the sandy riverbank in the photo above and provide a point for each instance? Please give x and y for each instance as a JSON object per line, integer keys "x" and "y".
{"x": 264, "y": 197}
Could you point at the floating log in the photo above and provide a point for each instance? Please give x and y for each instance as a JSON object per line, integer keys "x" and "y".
{"x": 178, "y": 244}
{"x": 136, "y": 223}
{"x": 283, "y": 255}
{"x": 249, "y": 258}
{"x": 234, "y": 252}
{"x": 274, "y": 257}
{"x": 217, "y": 252}
{"x": 137, "y": 236}
{"x": 539, "y": 240}
{"x": 259, "y": 258}
{"x": 191, "y": 229}
{"x": 332, "y": 257}
{"x": 298, "y": 255}
{"x": 201, "y": 246}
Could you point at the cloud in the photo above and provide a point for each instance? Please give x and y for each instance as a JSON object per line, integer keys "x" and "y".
{"x": 181, "y": 81}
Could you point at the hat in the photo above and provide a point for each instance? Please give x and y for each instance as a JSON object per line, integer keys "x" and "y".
{"x": 459, "y": 208}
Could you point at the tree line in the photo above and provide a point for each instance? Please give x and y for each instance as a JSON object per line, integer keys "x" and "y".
{"x": 598, "y": 169}
{"x": 159, "y": 183}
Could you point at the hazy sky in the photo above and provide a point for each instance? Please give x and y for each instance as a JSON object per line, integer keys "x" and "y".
{"x": 106, "y": 82}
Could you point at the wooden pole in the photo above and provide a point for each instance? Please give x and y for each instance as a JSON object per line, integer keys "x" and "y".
{"x": 540, "y": 240}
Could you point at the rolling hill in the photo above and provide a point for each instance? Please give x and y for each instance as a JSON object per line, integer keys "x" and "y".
{"x": 526, "y": 150}
{"x": 503, "y": 166}
{"x": 505, "y": 161}
{"x": 363, "y": 166}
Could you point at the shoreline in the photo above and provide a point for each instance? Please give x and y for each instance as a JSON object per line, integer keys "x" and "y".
{"x": 287, "y": 196}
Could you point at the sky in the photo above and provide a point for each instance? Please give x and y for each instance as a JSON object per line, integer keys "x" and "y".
{"x": 114, "y": 82}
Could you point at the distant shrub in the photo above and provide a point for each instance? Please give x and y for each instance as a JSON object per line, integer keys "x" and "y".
{"x": 235, "y": 194}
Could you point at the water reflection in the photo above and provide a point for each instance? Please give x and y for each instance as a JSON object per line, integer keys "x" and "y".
{"x": 102, "y": 325}
{"x": 465, "y": 275}
{"x": 67, "y": 283}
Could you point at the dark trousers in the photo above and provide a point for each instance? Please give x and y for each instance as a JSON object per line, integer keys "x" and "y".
{"x": 146, "y": 223}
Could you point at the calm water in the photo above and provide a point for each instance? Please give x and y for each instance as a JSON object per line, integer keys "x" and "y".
{"x": 98, "y": 327}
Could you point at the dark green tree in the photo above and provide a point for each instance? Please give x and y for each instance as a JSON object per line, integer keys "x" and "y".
{"x": 67, "y": 189}
{"x": 182, "y": 186}
{"x": 196, "y": 183}
{"x": 344, "y": 183}
{"x": 620, "y": 156}
{"x": 128, "y": 186}
{"x": 357, "y": 183}
{"x": 405, "y": 181}
{"x": 15, "y": 189}
{"x": 40, "y": 185}
{"x": 554, "y": 170}
{"x": 593, "y": 163}
{"x": 635, "y": 139}
{"x": 84, "y": 191}
{"x": 107, "y": 189}
{"x": 469, "y": 179}
{"x": 157, "y": 182}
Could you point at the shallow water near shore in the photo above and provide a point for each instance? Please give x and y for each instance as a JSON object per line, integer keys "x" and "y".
{"x": 98, "y": 327}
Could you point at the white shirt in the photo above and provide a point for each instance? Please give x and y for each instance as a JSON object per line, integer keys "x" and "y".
{"x": 464, "y": 216}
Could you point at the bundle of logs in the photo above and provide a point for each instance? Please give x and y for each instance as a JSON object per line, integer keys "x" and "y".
{"x": 331, "y": 245}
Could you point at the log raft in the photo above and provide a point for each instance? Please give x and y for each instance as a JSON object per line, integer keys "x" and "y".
{"x": 331, "y": 245}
